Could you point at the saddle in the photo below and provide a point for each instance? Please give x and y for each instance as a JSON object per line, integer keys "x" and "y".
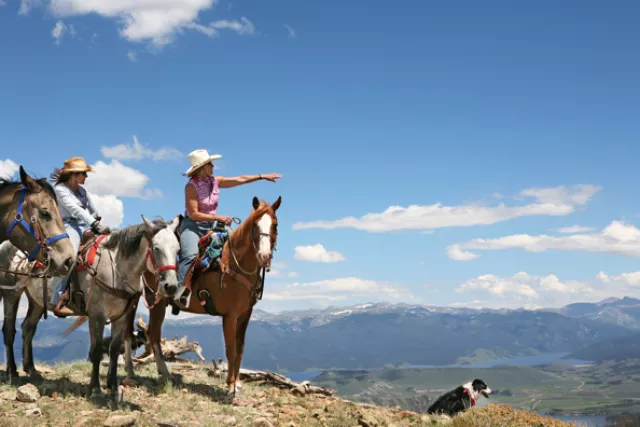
{"x": 209, "y": 252}
{"x": 87, "y": 251}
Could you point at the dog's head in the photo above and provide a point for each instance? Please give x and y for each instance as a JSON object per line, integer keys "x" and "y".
{"x": 138, "y": 339}
{"x": 480, "y": 388}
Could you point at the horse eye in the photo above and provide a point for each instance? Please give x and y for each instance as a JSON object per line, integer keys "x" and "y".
{"x": 45, "y": 215}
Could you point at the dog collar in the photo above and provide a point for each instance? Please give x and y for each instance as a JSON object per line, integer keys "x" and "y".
{"x": 473, "y": 401}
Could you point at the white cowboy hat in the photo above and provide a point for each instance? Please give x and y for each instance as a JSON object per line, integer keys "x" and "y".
{"x": 199, "y": 158}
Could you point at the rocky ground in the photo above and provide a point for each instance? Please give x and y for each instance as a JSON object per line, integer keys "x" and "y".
{"x": 199, "y": 399}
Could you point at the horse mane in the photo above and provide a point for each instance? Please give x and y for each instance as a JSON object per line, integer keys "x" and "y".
{"x": 6, "y": 183}
{"x": 245, "y": 227}
{"x": 127, "y": 240}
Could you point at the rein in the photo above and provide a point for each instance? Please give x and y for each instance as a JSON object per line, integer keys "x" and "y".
{"x": 226, "y": 269}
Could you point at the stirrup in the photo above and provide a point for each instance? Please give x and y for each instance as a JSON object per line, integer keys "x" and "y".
{"x": 58, "y": 310}
{"x": 183, "y": 296}
{"x": 78, "y": 301}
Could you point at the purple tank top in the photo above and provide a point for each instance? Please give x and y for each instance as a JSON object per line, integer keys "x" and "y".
{"x": 207, "y": 192}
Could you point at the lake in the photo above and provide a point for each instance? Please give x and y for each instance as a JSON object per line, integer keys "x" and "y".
{"x": 539, "y": 359}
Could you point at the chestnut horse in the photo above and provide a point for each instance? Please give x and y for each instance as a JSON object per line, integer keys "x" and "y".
{"x": 229, "y": 291}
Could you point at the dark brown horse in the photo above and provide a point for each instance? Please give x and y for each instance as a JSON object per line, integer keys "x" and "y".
{"x": 230, "y": 291}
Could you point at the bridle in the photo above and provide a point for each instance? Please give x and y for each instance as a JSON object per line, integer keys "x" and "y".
{"x": 34, "y": 229}
{"x": 255, "y": 247}
{"x": 156, "y": 270}
{"x": 42, "y": 243}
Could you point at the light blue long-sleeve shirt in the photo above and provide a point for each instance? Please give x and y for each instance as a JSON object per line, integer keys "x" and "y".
{"x": 75, "y": 205}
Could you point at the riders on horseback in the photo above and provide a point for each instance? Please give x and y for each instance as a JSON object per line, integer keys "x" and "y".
{"x": 201, "y": 206}
{"x": 78, "y": 213}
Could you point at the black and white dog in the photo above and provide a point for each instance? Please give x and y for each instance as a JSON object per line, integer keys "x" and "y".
{"x": 460, "y": 399}
{"x": 138, "y": 339}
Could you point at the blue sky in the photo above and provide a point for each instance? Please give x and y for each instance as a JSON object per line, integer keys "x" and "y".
{"x": 489, "y": 126}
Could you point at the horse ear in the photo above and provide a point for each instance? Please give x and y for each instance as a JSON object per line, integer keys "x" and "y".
{"x": 27, "y": 181}
{"x": 256, "y": 202}
{"x": 173, "y": 225}
{"x": 148, "y": 224}
{"x": 276, "y": 204}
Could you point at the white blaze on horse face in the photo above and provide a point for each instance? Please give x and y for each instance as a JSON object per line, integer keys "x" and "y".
{"x": 264, "y": 241}
{"x": 164, "y": 249}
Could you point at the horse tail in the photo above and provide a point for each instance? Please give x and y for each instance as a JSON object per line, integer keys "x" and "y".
{"x": 76, "y": 324}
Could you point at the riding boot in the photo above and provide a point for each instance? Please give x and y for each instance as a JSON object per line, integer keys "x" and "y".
{"x": 61, "y": 310}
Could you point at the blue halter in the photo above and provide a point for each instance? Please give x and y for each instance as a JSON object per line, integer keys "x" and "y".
{"x": 19, "y": 220}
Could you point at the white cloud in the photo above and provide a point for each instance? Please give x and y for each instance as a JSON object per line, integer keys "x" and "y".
{"x": 455, "y": 253}
{"x": 280, "y": 269}
{"x": 119, "y": 180}
{"x": 110, "y": 208}
{"x": 292, "y": 32}
{"x": 528, "y": 291}
{"x": 557, "y": 201}
{"x": 8, "y": 168}
{"x": 154, "y": 21}
{"x": 617, "y": 238}
{"x": 3, "y": 3}
{"x": 137, "y": 151}
{"x": 133, "y": 57}
{"x": 317, "y": 253}
{"x": 27, "y": 5}
{"x": 575, "y": 229}
{"x": 342, "y": 289}
{"x": 58, "y": 32}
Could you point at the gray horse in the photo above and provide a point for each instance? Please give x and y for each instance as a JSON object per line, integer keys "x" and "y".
{"x": 111, "y": 286}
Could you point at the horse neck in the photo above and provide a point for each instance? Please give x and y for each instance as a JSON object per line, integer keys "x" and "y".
{"x": 241, "y": 243}
{"x": 135, "y": 265}
{"x": 6, "y": 209}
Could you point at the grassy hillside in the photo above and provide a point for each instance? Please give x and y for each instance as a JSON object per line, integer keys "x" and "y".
{"x": 607, "y": 388}
{"x": 198, "y": 400}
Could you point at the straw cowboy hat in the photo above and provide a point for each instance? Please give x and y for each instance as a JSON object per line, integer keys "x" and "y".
{"x": 199, "y": 158}
{"x": 75, "y": 164}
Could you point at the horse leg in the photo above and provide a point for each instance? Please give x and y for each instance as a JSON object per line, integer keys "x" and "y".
{"x": 96, "y": 329}
{"x": 11, "y": 300}
{"x": 29, "y": 326}
{"x": 154, "y": 331}
{"x": 128, "y": 351}
{"x": 229, "y": 327}
{"x": 243, "y": 323}
{"x": 117, "y": 337}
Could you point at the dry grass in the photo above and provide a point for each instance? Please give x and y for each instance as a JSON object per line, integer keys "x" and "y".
{"x": 199, "y": 400}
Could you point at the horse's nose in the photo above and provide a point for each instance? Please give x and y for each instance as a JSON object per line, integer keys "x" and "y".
{"x": 265, "y": 258}
{"x": 170, "y": 289}
{"x": 69, "y": 263}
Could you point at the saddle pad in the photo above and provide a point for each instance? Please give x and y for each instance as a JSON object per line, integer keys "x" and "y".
{"x": 91, "y": 255}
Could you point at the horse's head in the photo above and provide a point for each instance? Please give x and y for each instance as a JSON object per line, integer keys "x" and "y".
{"x": 163, "y": 253}
{"x": 33, "y": 224}
{"x": 265, "y": 230}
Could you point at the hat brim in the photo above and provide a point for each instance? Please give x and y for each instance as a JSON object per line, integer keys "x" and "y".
{"x": 194, "y": 168}
{"x": 73, "y": 170}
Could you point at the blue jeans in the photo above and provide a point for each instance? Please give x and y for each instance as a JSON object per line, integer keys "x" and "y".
{"x": 190, "y": 234}
{"x": 74, "y": 229}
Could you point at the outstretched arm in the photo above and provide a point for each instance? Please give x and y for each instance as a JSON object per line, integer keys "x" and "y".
{"x": 228, "y": 182}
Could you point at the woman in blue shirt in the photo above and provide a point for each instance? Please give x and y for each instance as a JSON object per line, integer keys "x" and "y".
{"x": 78, "y": 213}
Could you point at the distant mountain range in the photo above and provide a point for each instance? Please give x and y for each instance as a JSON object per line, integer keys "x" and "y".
{"x": 369, "y": 336}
